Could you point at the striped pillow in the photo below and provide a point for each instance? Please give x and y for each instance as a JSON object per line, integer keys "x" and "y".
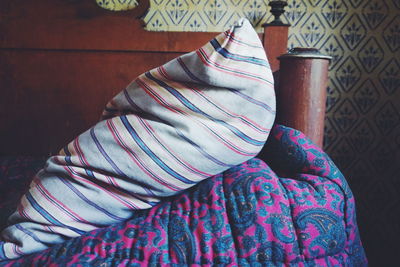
{"x": 172, "y": 127}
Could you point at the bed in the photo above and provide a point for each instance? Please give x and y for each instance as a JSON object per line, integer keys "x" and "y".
{"x": 289, "y": 206}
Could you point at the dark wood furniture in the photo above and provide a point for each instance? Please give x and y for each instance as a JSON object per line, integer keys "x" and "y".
{"x": 61, "y": 61}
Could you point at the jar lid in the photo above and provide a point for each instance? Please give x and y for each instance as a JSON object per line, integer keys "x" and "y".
{"x": 300, "y": 52}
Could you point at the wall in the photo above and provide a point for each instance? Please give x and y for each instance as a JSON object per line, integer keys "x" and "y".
{"x": 362, "y": 132}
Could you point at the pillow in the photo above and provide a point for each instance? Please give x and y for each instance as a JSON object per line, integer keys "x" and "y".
{"x": 172, "y": 127}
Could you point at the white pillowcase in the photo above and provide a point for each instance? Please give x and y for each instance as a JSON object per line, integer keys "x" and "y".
{"x": 172, "y": 127}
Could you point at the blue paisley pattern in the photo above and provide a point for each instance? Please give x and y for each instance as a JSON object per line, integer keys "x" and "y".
{"x": 296, "y": 211}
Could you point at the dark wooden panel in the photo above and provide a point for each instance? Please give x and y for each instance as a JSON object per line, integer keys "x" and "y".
{"x": 301, "y": 98}
{"x": 49, "y": 97}
{"x": 61, "y": 60}
{"x": 275, "y": 40}
{"x": 82, "y": 25}
{"x": 63, "y": 24}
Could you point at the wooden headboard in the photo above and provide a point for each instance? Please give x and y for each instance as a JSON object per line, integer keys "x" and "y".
{"x": 61, "y": 61}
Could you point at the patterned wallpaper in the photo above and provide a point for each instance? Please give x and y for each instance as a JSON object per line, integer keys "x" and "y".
{"x": 198, "y": 15}
{"x": 362, "y": 130}
{"x": 117, "y": 5}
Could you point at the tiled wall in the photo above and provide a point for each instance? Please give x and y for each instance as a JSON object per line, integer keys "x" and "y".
{"x": 363, "y": 107}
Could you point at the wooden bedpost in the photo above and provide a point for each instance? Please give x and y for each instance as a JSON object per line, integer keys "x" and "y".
{"x": 300, "y": 79}
{"x": 275, "y": 35}
{"x": 301, "y": 96}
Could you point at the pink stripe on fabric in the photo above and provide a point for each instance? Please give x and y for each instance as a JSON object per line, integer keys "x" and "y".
{"x": 180, "y": 160}
{"x": 18, "y": 251}
{"x": 21, "y": 211}
{"x": 204, "y": 57}
{"x": 137, "y": 159}
{"x": 108, "y": 191}
{"x": 50, "y": 197}
{"x": 244, "y": 119}
{"x": 232, "y": 38}
{"x": 163, "y": 73}
{"x": 229, "y": 113}
{"x": 225, "y": 142}
{"x": 85, "y": 163}
{"x": 153, "y": 95}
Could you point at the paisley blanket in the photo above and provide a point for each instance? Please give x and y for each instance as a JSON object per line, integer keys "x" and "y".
{"x": 297, "y": 210}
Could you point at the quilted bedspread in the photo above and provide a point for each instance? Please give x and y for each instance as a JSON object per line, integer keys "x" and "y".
{"x": 297, "y": 210}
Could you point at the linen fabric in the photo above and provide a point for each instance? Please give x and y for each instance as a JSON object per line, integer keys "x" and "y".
{"x": 172, "y": 127}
